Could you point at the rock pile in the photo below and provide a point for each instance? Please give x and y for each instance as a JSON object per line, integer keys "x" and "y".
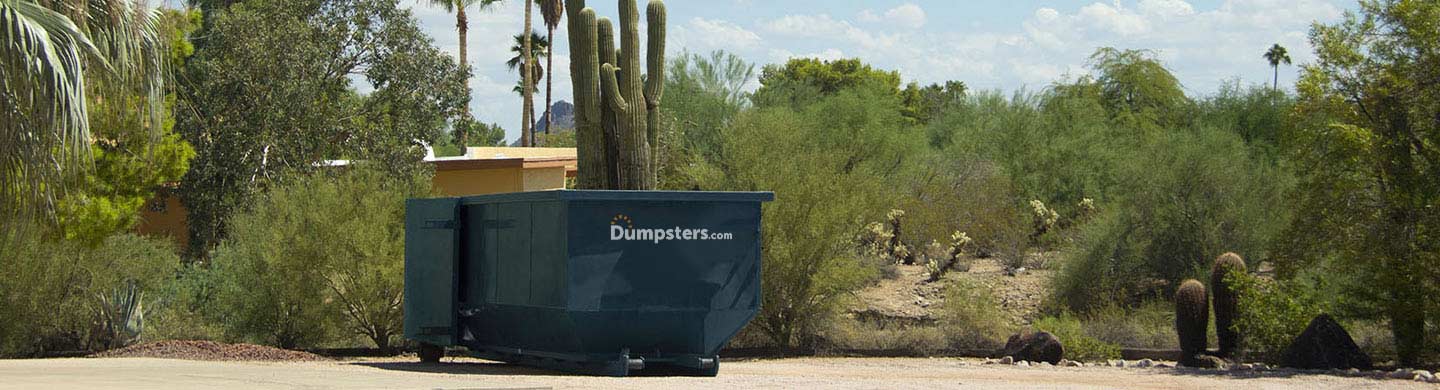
{"x": 208, "y": 351}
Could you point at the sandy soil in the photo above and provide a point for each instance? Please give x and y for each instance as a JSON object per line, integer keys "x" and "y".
{"x": 839, "y": 373}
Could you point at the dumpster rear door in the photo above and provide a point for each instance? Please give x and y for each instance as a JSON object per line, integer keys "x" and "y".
{"x": 432, "y": 233}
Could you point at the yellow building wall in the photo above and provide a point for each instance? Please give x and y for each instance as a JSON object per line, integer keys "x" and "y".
{"x": 169, "y": 220}
{"x": 478, "y": 181}
{"x": 542, "y": 179}
{"x": 164, "y": 217}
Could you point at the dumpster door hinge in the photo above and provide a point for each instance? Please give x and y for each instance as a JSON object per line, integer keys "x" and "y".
{"x": 440, "y": 224}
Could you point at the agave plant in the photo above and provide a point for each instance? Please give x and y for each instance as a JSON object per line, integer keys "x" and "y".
{"x": 120, "y": 317}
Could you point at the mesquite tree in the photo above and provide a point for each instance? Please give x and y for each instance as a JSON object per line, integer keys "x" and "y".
{"x": 617, "y": 108}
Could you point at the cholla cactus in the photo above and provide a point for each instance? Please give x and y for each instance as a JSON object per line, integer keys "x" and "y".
{"x": 1045, "y": 218}
{"x": 876, "y": 239}
{"x": 936, "y": 268}
{"x": 897, "y": 245}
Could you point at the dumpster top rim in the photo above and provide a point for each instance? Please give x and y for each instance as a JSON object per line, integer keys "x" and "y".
{"x": 679, "y": 196}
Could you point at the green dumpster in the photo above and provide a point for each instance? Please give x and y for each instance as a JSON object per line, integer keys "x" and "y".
{"x": 604, "y": 282}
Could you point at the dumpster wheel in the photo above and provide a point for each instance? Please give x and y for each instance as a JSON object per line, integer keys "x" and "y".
{"x": 431, "y": 353}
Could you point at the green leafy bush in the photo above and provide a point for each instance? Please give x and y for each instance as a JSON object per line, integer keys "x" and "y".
{"x": 60, "y": 295}
{"x": 1148, "y": 325}
{"x": 1079, "y": 346}
{"x": 1271, "y": 314}
{"x": 970, "y": 318}
{"x": 1196, "y": 194}
{"x": 830, "y": 164}
{"x": 317, "y": 259}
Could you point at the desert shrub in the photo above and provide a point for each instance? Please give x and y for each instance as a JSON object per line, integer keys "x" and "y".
{"x": 970, "y": 318}
{"x": 1079, "y": 346}
{"x": 949, "y": 194}
{"x": 60, "y": 295}
{"x": 184, "y": 306}
{"x": 852, "y": 334}
{"x": 1271, "y": 314}
{"x": 831, "y": 163}
{"x": 1197, "y": 194}
{"x": 1148, "y": 325}
{"x": 317, "y": 259}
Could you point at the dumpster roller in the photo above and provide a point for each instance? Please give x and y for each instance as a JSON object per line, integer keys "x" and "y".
{"x": 600, "y": 282}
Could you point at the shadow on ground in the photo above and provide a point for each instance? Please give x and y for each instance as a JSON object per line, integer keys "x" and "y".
{"x": 464, "y": 368}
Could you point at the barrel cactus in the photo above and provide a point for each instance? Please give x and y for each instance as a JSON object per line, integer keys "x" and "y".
{"x": 1226, "y": 303}
{"x": 617, "y": 107}
{"x": 1192, "y": 317}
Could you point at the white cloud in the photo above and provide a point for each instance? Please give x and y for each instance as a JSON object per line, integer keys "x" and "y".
{"x": 868, "y": 16}
{"x": 907, "y": 15}
{"x": 705, "y": 34}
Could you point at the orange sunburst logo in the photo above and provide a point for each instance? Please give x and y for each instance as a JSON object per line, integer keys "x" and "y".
{"x": 622, "y": 220}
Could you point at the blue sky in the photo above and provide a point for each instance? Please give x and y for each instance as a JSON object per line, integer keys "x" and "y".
{"x": 1007, "y": 45}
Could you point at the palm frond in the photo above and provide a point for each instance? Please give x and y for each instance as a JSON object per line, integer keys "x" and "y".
{"x": 50, "y": 63}
{"x": 43, "y": 124}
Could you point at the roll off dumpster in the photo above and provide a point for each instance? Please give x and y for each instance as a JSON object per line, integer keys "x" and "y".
{"x": 602, "y": 282}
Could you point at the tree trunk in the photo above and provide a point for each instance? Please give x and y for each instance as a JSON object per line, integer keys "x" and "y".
{"x": 550, "y": 83}
{"x": 462, "y": 23}
{"x": 527, "y": 134}
{"x": 1276, "y": 85}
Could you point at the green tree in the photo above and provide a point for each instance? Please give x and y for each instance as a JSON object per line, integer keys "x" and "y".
{"x": 533, "y": 46}
{"x": 318, "y": 258}
{"x": 1277, "y": 55}
{"x": 1369, "y": 142}
{"x": 49, "y": 60}
{"x": 833, "y": 164}
{"x": 803, "y": 78}
{"x": 271, "y": 90}
{"x": 551, "y": 11}
{"x": 527, "y": 80}
{"x": 1137, "y": 89}
{"x": 131, "y": 161}
{"x": 703, "y": 94}
{"x": 539, "y": 47}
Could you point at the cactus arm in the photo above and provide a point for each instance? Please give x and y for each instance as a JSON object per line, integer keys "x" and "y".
{"x": 585, "y": 73}
{"x": 655, "y": 77}
{"x": 617, "y": 101}
{"x": 654, "y": 82}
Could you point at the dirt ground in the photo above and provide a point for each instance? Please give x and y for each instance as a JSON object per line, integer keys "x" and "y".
{"x": 807, "y": 373}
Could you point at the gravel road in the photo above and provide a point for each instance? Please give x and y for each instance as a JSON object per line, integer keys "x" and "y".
{"x": 807, "y": 373}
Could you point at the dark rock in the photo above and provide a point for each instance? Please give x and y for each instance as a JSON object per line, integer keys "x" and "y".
{"x": 1035, "y": 347}
{"x": 1205, "y": 361}
{"x": 1324, "y": 345}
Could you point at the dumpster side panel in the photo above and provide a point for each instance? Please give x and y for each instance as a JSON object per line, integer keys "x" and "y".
{"x": 431, "y": 280}
{"x": 663, "y": 277}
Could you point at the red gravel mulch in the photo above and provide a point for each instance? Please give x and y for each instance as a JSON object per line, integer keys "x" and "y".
{"x": 208, "y": 351}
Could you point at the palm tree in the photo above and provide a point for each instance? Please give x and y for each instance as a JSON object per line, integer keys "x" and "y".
{"x": 47, "y": 63}
{"x": 462, "y": 24}
{"x": 529, "y": 109}
{"x": 551, "y": 11}
{"x": 539, "y": 48}
{"x": 1277, "y": 55}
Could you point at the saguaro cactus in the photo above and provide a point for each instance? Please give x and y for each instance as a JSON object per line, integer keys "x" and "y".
{"x": 612, "y": 93}
{"x": 1226, "y": 303}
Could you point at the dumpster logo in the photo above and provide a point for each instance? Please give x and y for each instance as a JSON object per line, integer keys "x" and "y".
{"x": 622, "y": 228}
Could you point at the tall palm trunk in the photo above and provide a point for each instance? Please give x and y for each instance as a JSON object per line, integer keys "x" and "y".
{"x": 526, "y": 132}
{"x": 462, "y": 23}
{"x": 1276, "y": 85}
{"x": 549, "y": 82}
